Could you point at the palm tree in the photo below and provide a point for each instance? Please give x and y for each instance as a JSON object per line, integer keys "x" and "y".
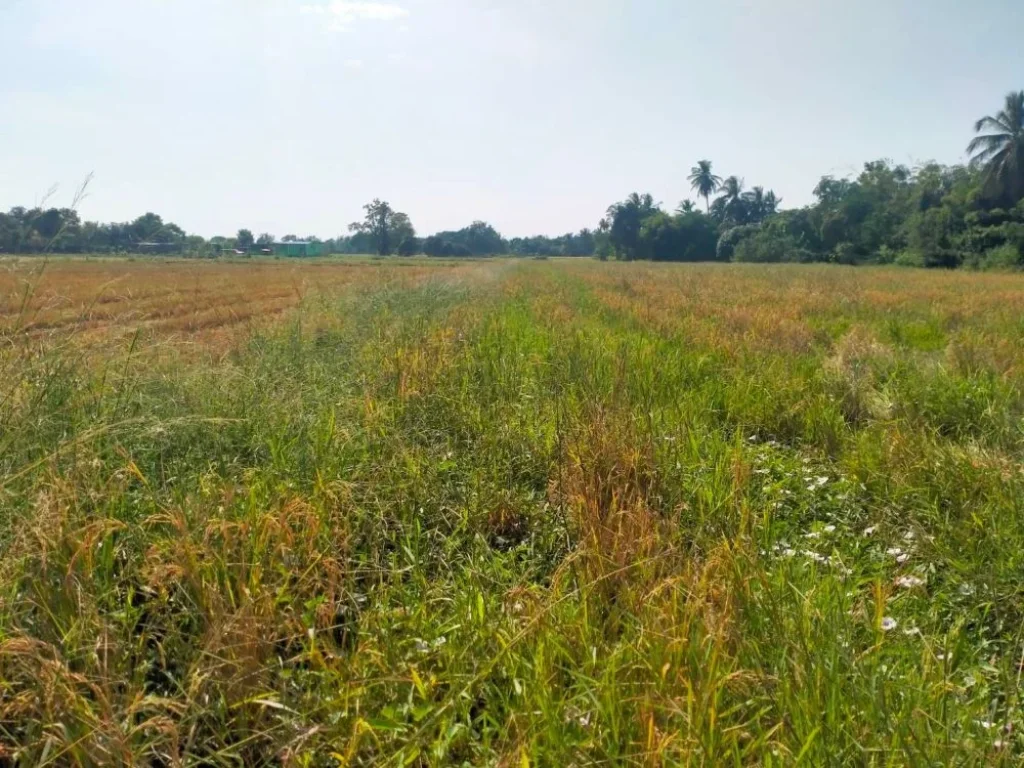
{"x": 731, "y": 203}
{"x": 704, "y": 182}
{"x": 1001, "y": 151}
{"x": 686, "y": 206}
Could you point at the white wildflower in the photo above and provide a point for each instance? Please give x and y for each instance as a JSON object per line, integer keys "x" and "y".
{"x": 909, "y": 582}
{"x": 830, "y": 529}
{"x": 889, "y": 624}
{"x": 870, "y": 530}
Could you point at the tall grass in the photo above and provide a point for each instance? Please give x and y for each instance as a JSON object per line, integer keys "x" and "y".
{"x": 546, "y": 514}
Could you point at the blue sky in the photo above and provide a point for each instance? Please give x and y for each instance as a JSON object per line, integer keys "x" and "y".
{"x": 287, "y": 115}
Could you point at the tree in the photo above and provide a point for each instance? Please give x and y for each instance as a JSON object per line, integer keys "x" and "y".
{"x": 384, "y": 225}
{"x": 409, "y": 246}
{"x": 704, "y": 182}
{"x": 625, "y": 221}
{"x": 686, "y": 237}
{"x": 265, "y": 240}
{"x": 244, "y": 240}
{"x": 686, "y": 206}
{"x": 759, "y": 205}
{"x": 434, "y": 246}
{"x": 478, "y": 239}
{"x": 1001, "y": 151}
{"x": 731, "y": 206}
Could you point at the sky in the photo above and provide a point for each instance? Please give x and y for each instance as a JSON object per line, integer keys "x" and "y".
{"x": 286, "y": 116}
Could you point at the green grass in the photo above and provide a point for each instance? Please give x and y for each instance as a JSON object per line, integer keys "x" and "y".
{"x": 568, "y": 514}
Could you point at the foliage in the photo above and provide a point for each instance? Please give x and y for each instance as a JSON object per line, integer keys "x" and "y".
{"x": 384, "y": 226}
{"x": 765, "y": 245}
{"x": 409, "y": 246}
{"x": 704, "y": 182}
{"x": 732, "y": 237}
{"x": 478, "y": 239}
{"x": 245, "y": 240}
{"x": 1000, "y": 152}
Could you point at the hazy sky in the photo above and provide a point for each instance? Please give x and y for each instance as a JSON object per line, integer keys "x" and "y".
{"x": 287, "y": 115}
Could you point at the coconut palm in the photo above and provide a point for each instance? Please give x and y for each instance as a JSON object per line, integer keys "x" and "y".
{"x": 1000, "y": 152}
{"x": 759, "y": 204}
{"x": 686, "y": 206}
{"x": 704, "y": 182}
{"x": 731, "y": 204}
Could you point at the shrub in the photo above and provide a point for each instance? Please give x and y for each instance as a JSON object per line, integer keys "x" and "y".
{"x": 1005, "y": 256}
{"x": 844, "y": 253}
{"x": 768, "y": 246}
{"x": 410, "y": 246}
{"x": 732, "y": 237}
{"x": 909, "y": 258}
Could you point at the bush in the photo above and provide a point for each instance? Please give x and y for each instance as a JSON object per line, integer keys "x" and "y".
{"x": 1003, "y": 257}
{"x": 410, "y": 246}
{"x": 909, "y": 258}
{"x": 844, "y": 253}
{"x": 767, "y": 246}
{"x": 732, "y": 237}
{"x": 687, "y": 237}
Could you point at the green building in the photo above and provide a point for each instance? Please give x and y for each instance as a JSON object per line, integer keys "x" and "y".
{"x": 299, "y": 248}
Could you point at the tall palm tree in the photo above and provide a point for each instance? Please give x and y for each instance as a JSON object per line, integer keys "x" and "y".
{"x": 1001, "y": 151}
{"x": 704, "y": 182}
{"x": 731, "y": 203}
{"x": 686, "y": 206}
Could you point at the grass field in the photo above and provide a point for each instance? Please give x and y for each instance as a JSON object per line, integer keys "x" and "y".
{"x": 510, "y": 513}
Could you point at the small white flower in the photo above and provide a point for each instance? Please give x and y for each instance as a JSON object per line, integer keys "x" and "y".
{"x": 912, "y": 631}
{"x": 909, "y": 582}
{"x": 889, "y": 624}
{"x": 998, "y": 743}
{"x": 940, "y": 656}
{"x": 788, "y": 552}
{"x": 870, "y": 530}
{"x": 909, "y": 536}
{"x": 986, "y": 724}
{"x": 830, "y": 529}
{"x": 422, "y": 646}
{"x": 902, "y": 558}
{"x": 812, "y": 535}
{"x": 894, "y": 552}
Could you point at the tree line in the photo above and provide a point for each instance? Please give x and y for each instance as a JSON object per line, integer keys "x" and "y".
{"x": 931, "y": 215}
{"x": 383, "y": 231}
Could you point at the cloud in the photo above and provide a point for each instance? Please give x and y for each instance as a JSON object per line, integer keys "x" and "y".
{"x": 342, "y": 13}
{"x": 355, "y": 64}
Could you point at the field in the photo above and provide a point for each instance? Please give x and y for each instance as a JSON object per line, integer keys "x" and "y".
{"x": 510, "y": 513}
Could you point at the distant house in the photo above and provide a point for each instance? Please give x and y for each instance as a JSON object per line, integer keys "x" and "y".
{"x": 299, "y": 248}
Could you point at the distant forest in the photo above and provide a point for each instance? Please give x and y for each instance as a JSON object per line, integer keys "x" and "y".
{"x": 930, "y": 216}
